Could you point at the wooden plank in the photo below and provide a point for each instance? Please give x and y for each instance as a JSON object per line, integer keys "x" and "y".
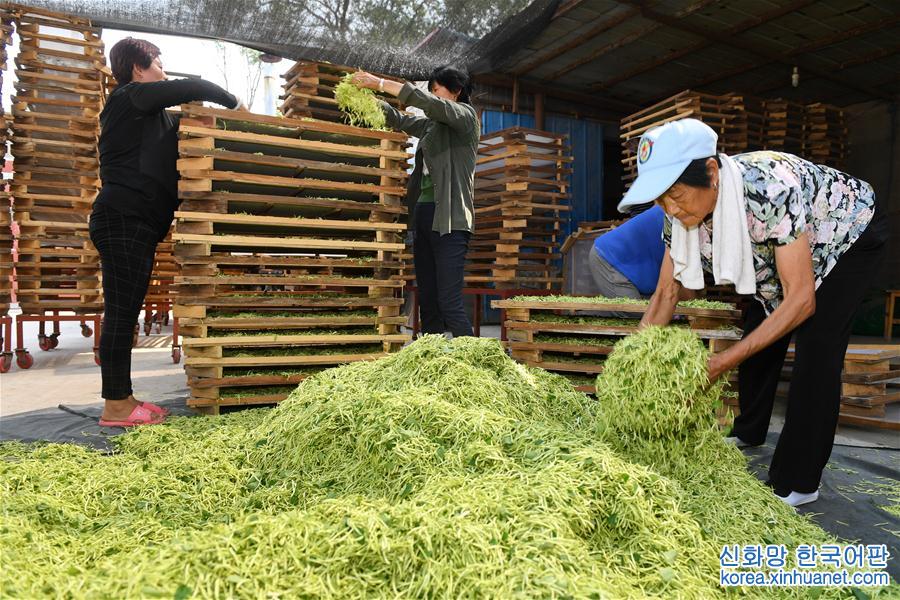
{"x": 298, "y": 124}
{"x": 289, "y": 222}
{"x": 287, "y": 162}
{"x": 612, "y": 307}
{"x": 257, "y": 303}
{"x": 847, "y": 419}
{"x": 285, "y": 142}
{"x": 276, "y": 361}
{"x": 576, "y": 328}
{"x": 585, "y": 369}
{"x": 263, "y": 323}
{"x": 560, "y": 348}
{"x": 293, "y": 340}
{"x": 298, "y": 243}
{"x": 314, "y": 280}
{"x": 292, "y": 201}
{"x": 288, "y": 182}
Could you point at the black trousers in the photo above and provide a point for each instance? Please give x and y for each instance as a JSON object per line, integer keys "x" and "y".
{"x": 127, "y": 247}
{"x": 440, "y": 267}
{"x": 805, "y": 444}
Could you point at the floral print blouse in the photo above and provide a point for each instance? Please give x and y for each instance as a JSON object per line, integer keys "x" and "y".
{"x": 787, "y": 196}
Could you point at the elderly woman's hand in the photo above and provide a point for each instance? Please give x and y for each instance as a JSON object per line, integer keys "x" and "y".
{"x": 716, "y": 366}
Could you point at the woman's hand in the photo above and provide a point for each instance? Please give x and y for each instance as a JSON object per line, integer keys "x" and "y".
{"x": 665, "y": 298}
{"x": 795, "y": 270}
{"x": 717, "y": 365}
{"x": 366, "y": 80}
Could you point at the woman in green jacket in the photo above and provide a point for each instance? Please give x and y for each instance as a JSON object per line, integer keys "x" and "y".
{"x": 441, "y": 189}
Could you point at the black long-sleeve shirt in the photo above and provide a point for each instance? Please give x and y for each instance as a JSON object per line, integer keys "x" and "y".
{"x": 139, "y": 146}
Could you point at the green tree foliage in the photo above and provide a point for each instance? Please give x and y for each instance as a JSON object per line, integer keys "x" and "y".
{"x": 402, "y": 23}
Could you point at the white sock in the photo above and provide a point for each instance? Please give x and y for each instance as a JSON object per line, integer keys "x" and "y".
{"x": 796, "y": 499}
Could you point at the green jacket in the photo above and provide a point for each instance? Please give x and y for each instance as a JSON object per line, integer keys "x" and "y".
{"x": 448, "y": 139}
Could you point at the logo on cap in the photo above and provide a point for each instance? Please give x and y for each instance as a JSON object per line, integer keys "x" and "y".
{"x": 644, "y": 150}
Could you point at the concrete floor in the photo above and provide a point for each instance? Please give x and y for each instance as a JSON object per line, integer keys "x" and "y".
{"x": 68, "y": 375}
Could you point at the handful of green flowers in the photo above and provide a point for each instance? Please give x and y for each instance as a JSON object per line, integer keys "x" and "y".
{"x": 360, "y": 105}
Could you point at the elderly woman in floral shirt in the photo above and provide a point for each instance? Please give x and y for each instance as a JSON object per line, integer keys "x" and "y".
{"x": 805, "y": 240}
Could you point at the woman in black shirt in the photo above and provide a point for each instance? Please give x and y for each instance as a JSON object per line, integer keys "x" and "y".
{"x": 134, "y": 209}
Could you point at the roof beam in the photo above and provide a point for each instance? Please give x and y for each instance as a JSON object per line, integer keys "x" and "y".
{"x": 635, "y": 35}
{"x": 566, "y": 7}
{"x": 814, "y": 45}
{"x": 871, "y": 57}
{"x": 771, "y": 56}
{"x": 603, "y": 25}
{"x": 555, "y": 91}
{"x": 676, "y": 54}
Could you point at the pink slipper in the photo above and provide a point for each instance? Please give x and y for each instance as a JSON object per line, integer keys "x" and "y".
{"x": 155, "y": 408}
{"x": 139, "y": 416}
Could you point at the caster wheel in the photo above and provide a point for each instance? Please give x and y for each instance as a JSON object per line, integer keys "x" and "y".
{"x": 86, "y": 331}
{"x": 24, "y": 360}
{"x": 176, "y": 355}
{"x": 6, "y": 362}
{"x": 45, "y": 343}
{"x": 54, "y": 340}
{"x": 97, "y": 357}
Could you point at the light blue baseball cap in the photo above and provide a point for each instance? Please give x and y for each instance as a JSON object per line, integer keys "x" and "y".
{"x": 663, "y": 154}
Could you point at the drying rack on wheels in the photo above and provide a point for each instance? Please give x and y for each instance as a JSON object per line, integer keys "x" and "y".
{"x": 157, "y": 315}
{"x": 160, "y": 300}
{"x": 59, "y": 93}
{"x": 6, "y": 342}
{"x": 24, "y": 359}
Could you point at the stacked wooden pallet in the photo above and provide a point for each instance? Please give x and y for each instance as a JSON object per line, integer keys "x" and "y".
{"x": 309, "y": 91}
{"x": 521, "y": 200}
{"x": 824, "y": 135}
{"x": 6, "y": 31}
{"x": 870, "y": 382}
{"x": 784, "y": 126}
{"x": 816, "y": 132}
{"x": 725, "y": 114}
{"x": 6, "y": 254}
{"x": 566, "y": 335}
{"x": 286, "y": 240}
{"x": 159, "y": 296}
{"x": 754, "y": 111}
{"x": 6, "y": 234}
{"x": 55, "y": 129}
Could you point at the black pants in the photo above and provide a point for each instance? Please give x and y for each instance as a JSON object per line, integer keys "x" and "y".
{"x": 127, "y": 247}
{"x": 440, "y": 267}
{"x": 804, "y": 446}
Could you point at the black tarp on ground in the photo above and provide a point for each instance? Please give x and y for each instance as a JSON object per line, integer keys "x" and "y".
{"x": 852, "y": 498}
{"x": 71, "y": 425}
{"x": 851, "y": 503}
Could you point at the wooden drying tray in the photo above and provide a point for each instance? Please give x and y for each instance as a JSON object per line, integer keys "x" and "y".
{"x": 701, "y": 313}
{"x": 539, "y": 327}
{"x": 301, "y": 125}
{"x": 299, "y": 165}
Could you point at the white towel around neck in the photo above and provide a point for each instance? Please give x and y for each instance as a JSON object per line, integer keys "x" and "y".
{"x": 732, "y": 256}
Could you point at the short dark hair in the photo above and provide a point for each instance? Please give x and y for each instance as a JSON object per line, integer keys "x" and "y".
{"x": 695, "y": 174}
{"x": 454, "y": 80}
{"x": 129, "y": 52}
